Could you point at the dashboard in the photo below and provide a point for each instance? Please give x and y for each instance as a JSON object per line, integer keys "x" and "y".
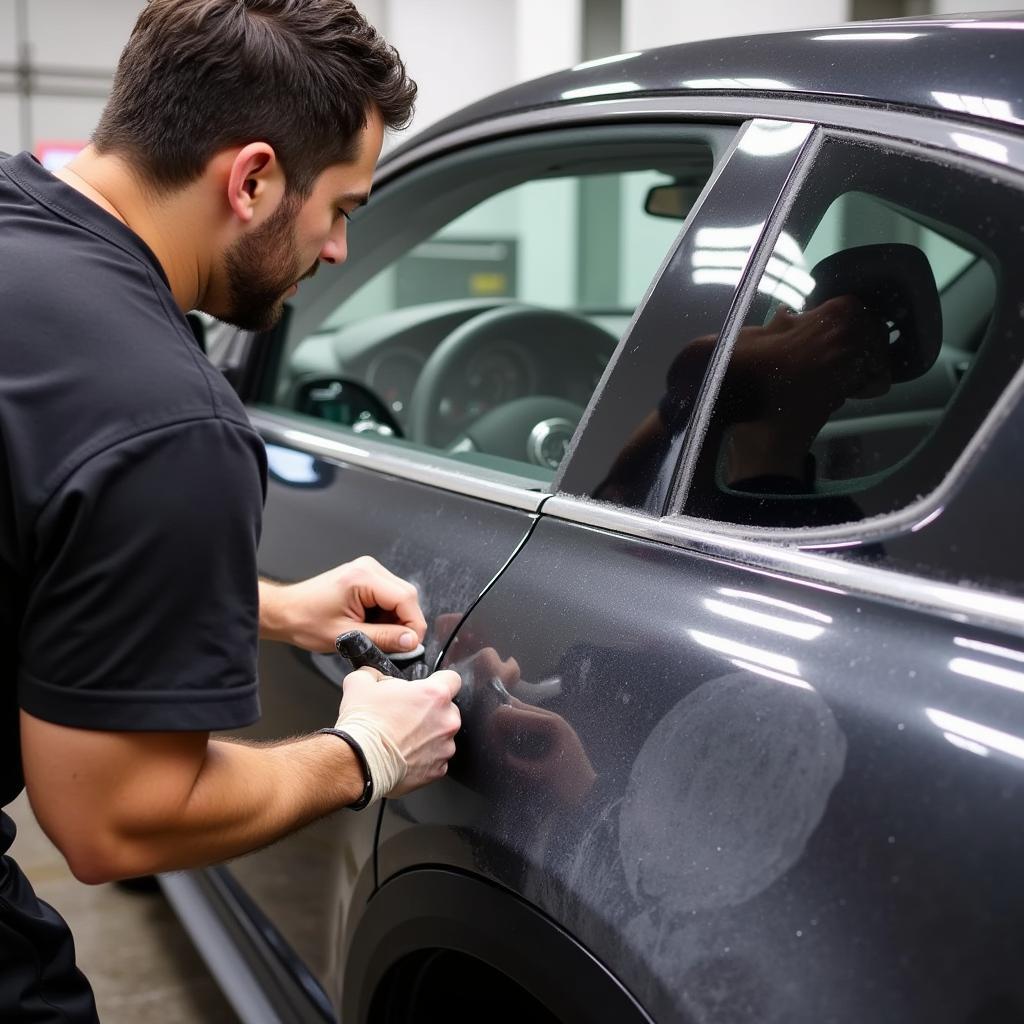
{"x": 387, "y": 354}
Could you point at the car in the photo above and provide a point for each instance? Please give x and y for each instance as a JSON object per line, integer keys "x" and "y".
{"x": 687, "y": 387}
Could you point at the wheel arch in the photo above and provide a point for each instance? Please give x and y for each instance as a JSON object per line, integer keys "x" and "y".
{"x": 428, "y": 909}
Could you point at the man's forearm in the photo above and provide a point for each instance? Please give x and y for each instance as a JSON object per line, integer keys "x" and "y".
{"x": 273, "y": 625}
{"x": 119, "y": 804}
{"x": 247, "y": 796}
{"x": 138, "y": 803}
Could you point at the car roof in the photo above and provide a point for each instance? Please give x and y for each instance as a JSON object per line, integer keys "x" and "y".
{"x": 967, "y": 66}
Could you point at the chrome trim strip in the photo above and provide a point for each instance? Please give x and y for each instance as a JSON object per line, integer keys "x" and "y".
{"x": 380, "y": 457}
{"x": 920, "y": 127}
{"x": 961, "y": 604}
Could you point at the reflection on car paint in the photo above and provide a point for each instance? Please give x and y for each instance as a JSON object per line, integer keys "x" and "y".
{"x": 296, "y": 468}
{"x": 630, "y": 460}
{"x": 773, "y": 138}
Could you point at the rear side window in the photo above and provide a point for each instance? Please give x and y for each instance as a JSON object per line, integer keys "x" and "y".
{"x": 876, "y": 342}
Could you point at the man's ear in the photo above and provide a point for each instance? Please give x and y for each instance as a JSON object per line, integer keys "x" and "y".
{"x": 256, "y": 182}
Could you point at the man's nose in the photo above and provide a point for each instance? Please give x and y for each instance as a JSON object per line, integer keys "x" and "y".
{"x": 335, "y": 249}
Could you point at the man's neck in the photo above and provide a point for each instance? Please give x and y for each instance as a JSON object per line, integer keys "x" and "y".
{"x": 166, "y": 224}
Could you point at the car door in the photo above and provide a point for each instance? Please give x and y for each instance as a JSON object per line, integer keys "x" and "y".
{"x": 416, "y": 407}
{"x": 751, "y": 733}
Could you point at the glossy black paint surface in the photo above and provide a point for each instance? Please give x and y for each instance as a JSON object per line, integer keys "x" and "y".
{"x": 614, "y": 459}
{"x": 900, "y": 63}
{"x": 752, "y": 795}
{"x": 318, "y": 515}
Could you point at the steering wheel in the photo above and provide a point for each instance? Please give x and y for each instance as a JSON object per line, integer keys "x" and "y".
{"x": 535, "y": 428}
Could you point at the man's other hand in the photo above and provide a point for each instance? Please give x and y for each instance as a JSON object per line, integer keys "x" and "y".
{"x": 406, "y": 729}
{"x": 313, "y": 613}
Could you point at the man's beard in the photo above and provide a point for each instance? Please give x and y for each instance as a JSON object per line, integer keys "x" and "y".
{"x": 261, "y": 267}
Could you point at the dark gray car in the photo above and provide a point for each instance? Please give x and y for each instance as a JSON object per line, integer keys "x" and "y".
{"x": 687, "y": 387}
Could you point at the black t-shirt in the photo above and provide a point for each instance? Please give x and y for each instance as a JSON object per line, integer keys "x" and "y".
{"x": 131, "y": 489}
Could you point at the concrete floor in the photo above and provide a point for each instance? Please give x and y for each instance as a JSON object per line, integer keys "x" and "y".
{"x": 142, "y": 965}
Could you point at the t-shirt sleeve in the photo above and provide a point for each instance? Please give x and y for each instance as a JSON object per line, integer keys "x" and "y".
{"x": 143, "y": 609}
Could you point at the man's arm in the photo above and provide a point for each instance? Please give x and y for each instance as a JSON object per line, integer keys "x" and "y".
{"x": 119, "y": 804}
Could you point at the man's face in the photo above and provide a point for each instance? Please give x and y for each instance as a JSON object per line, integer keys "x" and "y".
{"x": 264, "y": 267}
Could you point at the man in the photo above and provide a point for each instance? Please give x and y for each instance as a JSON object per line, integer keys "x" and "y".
{"x": 239, "y": 136}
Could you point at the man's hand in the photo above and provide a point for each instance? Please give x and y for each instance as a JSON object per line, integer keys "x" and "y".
{"x": 407, "y": 730}
{"x": 536, "y": 746}
{"x": 807, "y": 364}
{"x": 313, "y": 613}
{"x": 788, "y": 377}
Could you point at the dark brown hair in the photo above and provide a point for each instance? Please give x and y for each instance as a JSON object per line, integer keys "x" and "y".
{"x": 201, "y": 76}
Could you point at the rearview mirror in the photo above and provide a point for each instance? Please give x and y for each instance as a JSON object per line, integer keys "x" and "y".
{"x": 674, "y": 200}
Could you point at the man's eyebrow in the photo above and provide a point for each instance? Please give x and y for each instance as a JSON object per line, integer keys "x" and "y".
{"x": 359, "y": 198}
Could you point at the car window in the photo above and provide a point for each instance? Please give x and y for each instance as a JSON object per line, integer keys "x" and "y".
{"x": 523, "y": 244}
{"x": 872, "y": 347}
{"x": 482, "y": 330}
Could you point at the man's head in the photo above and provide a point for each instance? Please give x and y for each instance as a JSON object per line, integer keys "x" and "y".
{"x": 290, "y": 96}
{"x": 266, "y": 257}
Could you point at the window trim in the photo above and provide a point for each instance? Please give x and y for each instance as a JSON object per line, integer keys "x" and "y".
{"x": 743, "y": 297}
{"x": 425, "y": 467}
{"x": 747, "y": 194}
{"x": 924, "y": 128}
{"x": 976, "y": 606}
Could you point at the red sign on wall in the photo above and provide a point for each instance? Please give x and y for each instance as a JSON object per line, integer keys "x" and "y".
{"x": 54, "y": 155}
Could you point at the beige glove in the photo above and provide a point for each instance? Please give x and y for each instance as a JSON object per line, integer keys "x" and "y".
{"x": 405, "y": 729}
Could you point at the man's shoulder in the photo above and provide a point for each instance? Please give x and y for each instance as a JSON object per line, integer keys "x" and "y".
{"x": 85, "y": 371}
{"x": 65, "y": 269}
{"x": 94, "y": 349}
{"x": 55, "y": 256}
{"x": 85, "y": 320}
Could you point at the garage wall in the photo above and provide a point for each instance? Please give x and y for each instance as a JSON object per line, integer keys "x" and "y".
{"x": 968, "y": 6}
{"x": 475, "y": 38}
{"x": 72, "y": 48}
{"x": 649, "y": 23}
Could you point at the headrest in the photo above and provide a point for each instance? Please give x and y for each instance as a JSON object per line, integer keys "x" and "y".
{"x": 895, "y": 281}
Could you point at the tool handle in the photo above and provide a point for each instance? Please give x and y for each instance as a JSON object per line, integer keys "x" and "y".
{"x": 364, "y": 653}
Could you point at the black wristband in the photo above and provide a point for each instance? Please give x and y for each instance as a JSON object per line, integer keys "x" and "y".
{"x": 367, "y": 794}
